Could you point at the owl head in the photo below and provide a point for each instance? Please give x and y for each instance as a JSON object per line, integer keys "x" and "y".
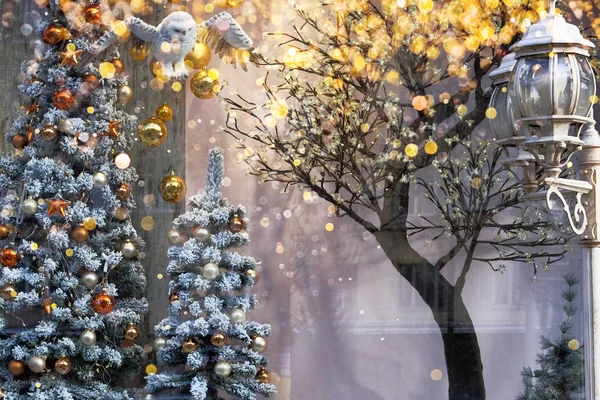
{"x": 179, "y": 26}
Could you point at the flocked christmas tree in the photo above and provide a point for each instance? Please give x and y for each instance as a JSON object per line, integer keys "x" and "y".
{"x": 207, "y": 329}
{"x": 560, "y": 372}
{"x": 72, "y": 285}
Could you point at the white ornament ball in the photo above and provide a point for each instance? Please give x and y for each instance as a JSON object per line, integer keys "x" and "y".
{"x": 176, "y": 238}
{"x": 128, "y": 249}
{"x": 223, "y": 369}
{"x": 259, "y": 344}
{"x": 29, "y": 207}
{"x": 89, "y": 279}
{"x": 202, "y": 234}
{"x": 238, "y": 316}
{"x": 210, "y": 271}
{"x": 36, "y": 364}
{"x": 88, "y": 338}
{"x": 100, "y": 180}
{"x": 160, "y": 343}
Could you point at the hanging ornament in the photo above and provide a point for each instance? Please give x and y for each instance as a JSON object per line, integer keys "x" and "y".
{"x": 129, "y": 249}
{"x": 89, "y": 279}
{"x": 152, "y": 132}
{"x": 123, "y": 191}
{"x": 9, "y": 292}
{"x": 160, "y": 343}
{"x": 263, "y": 376}
{"x": 113, "y": 130}
{"x": 223, "y": 369}
{"x": 259, "y": 344}
{"x": 174, "y": 296}
{"x": 47, "y": 302}
{"x": 201, "y": 234}
{"x": 219, "y": 339}
{"x": 119, "y": 67}
{"x": 9, "y": 257}
{"x": 237, "y": 316}
{"x": 131, "y": 332}
{"x": 237, "y": 224}
{"x": 91, "y": 81}
{"x": 63, "y": 99}
{"x": 16, "y": 368}
{"x": 164, "y": 113}
{"x": 124, "y": 94}
{"x": 70, "y": 56}
{"x": 57, "y": 206}
{"x": 63, "y": 365}
{"x": 48, "y": 133}
{"x": 93, "y": 14}
{"x": 199, "y": 57}
{"x": 99, "y": 180}
{"x": 90, "y": 223}
{"x": 103, "y": 303}
{"x": 252, "y": 273}
{"x": 4, "y": 232}
{"x": 205, "y": 84}
{"x": 36, "y": 364}
{"x": 189, "y": 345}
{"x": 55, "y": 34}
{"x": 79, "y": 234}
{"x": 210, "y": 271}
{"x": 173, "y": 188}
{"x": 19, "y": 141}
{"x": 139, "y": 53}
{"x": 88, "y": 338}
{"x": 176, "y": 238}
{"x": 29, "y": 207}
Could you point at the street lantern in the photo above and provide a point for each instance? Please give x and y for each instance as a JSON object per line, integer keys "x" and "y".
{"x": 551, "y": 88}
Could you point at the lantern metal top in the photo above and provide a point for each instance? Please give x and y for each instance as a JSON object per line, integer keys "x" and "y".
{"x": 552, "y": 34}
{"x": 502, "y": 74}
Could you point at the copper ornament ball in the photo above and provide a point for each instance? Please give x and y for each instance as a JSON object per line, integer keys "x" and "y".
{"x": 189, "y": 345}
{"x": 54, "y": 34}
{"x": 92, "y": 81}
{"x": 19, "y": 141}
{"x": 4, "y": 232}
{"x": 80, "y": 234}
{"x": 103, "y": 303}
{"x": 93, "y": 14}
{"x": 119, "y": 66}
{"x": 9, "y": 257}
{"x": 63, "y": 365}
{"x": 63, "y": 99}
{"x": 48, "y": 133}
{"x": 9, "y": 292}
{"x": 16, "y": 368}
{"x": 131, "y": 332}
{"x": 123, "y": 191}
{"x": 237, "y": 224}
{"x": 218, "y": 339}
{"x": 263, "y": 376}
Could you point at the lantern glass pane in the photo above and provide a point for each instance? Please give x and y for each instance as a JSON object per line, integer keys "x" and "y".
{"x": 587, "y": 86}
{"x": 563, "y": 85}
{"x": 500, "y": 124}
{"x": 534, "y": 83}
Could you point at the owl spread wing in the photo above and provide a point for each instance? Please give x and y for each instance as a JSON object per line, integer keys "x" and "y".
{"x": 226, "y": 36}
{"x": 139, "y": 28}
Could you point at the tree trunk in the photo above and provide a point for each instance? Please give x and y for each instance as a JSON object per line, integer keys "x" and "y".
{"x": 461, "y": 348}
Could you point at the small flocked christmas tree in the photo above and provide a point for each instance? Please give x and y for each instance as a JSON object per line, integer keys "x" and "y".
{"x": 72, "y": 285}
{"x": 560, "y": 373}
{"x": 207, "y": 330}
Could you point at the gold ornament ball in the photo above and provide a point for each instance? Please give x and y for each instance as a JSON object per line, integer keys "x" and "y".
{"x": 263, "y": 376}
{"x": 19, "y": 141}
{"x": 123, "y": 191}
{"x": 218, "y": 339}
{"x": 164, "y": 113}
{"x": 4, "y": 232}
{"x": 16, "y": 368}
{"x": 93, "y": 14}
{"x": 189, "y": 345}
{"x": 119, "y": 66}
{"x": 90, "y": 223}
{"x": 9, "y": 292}
{"x": 79, "y": 234}
{"x": 48, "y": 133}
{"x": 252, "y": 273}
{"x": 121, "y": 213}
{"x": 173, "y": 188}
{"x": 174, "y": 296}
{"x": 124, "y": 94}
{"x": 203, "y": 86}
{"x": 152, "y": 132}
{"x": 63, "y": 99}
{"x": 131, "y": 332}
{"x": 236, "y": 224}
{"x": 199, "y": 57}
{"x": 139, "y": 53}
{"x": 129, "y": 249}
{"x": 63, "y": 365}
{"x": 234, "y": 3}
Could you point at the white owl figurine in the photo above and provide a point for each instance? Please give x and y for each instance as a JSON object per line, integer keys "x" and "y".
{"x": 175, "y": 36}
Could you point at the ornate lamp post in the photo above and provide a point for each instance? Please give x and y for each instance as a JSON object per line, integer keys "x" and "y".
{"x": 551, "y": 88}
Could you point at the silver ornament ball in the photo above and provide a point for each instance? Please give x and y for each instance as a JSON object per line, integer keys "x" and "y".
{"x": 36, "y": 364}
{"x": 29, "y": 207}
{"x": 210, "y": 271}
{"x": 176, "y": 238}
{"x": 89, "y": 279}
{"x": 238, "y": 316}
{"x": 88, "y": 338}
{"x": 201, "y": 234}
{"x": 259, "y": 344}
{"x": 160, "y": 343}
{"x": 223, "y": 369}
{"x": 128, "y": 249}
{"x": 100, "y": 180}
